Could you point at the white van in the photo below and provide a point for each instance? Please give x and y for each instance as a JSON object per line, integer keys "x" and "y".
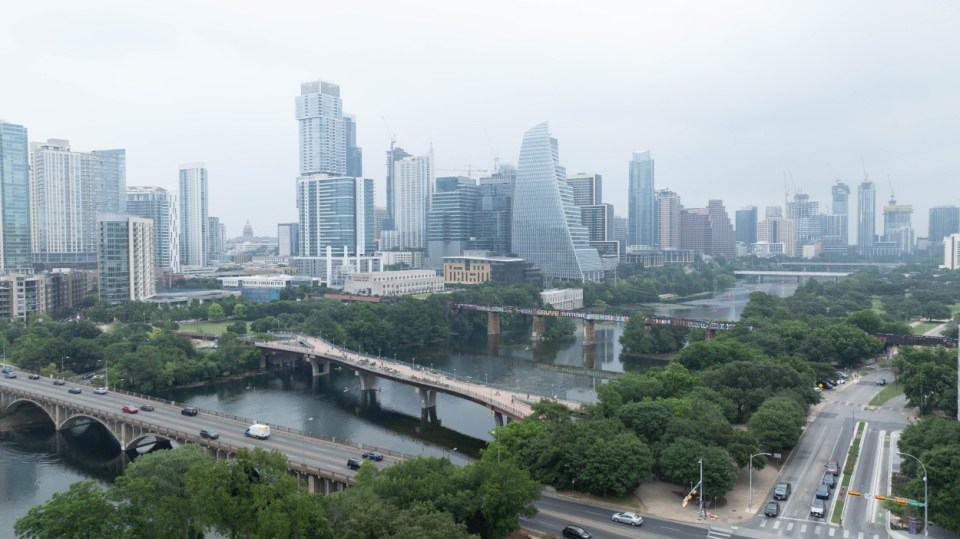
{"x": 258, "y": 430}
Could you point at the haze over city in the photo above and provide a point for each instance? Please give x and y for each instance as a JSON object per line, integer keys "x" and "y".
{"x": 736, "y": 101}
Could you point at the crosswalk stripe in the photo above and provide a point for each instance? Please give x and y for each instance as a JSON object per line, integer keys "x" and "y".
{"x": 789, "y": 526}
{"x": 816, "y": 530}
{"x": 803, "y": 528}
{"x": 764, "y": 524}
{"x": 846, "y": 534}
{"x": 859, "y": 535}
{"x": 776, "y": 525}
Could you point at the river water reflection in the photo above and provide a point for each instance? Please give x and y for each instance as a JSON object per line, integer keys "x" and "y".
{"x": 34, "y": 466}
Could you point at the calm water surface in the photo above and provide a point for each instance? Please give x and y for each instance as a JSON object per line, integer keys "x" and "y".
{"x": 33, "y": 466}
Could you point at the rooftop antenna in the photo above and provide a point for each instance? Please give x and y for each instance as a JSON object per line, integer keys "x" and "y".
{"x": 893, "y": 198}
{"x": 866, "y": 178}
{"x": 496, "y": 156}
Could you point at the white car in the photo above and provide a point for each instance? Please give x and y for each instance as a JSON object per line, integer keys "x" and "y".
{"x": 632, "y": 519}
{"x": 100, "y": 391}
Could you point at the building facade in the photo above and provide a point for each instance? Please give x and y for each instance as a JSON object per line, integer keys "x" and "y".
{"x": 951, "y": 251}
{"x": 641, "y": 216}
{"x": 160, "y": 206}
{"x": 394, "y": 283}
{"x": 288, "y": 239}
{"x": 451, "y": 221}
{"x": 216, "y": 239}
{"x": 323, "y": 137}
{"x": 546, "y": 224}
{"x": 194, "y": 217}
{"x": 395, "y": 154}
{"x": 495, "y": 212}
{"x": 125, "y": 263}
{"x": 747, "y": 225}
{"x": 898, "y": 227}
{"x": 866, "y": 218}
{"x": 336, "y": 212}
{"x": 413, "y": 188}
{"x": 16, "y": 250}
{"x": 669, "y": 211}
{"x": 944, "y": 220}
{"x": 478, "y": 269}
{"x": 354, "y": 152}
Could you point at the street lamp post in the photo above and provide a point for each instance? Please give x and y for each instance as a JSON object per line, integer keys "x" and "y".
{"x": 700, "y": 514}
{"x": 496, "y": 438}
{"x": 926, "y": 504}
{"x": 750, "y": 505}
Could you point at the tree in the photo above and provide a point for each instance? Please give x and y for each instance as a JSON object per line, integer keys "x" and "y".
{"x": 215, "y": 312}
{"x": 777, "y": 423}
{"x": 648, "y": 420}
{"x": 239, "y": 310}
{"x": 705, "y": 354}
{"x": 239, "y": 327}
{"x": 679, "y": 463}
{"x": 82, "y": 512}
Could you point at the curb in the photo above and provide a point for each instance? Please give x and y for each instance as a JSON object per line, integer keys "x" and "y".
{"x": 853, "y": 472}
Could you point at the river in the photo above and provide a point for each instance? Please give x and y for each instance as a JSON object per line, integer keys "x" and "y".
{"x": 34, "y": 466}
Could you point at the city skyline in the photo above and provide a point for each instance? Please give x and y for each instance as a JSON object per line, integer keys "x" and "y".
{"x": 726, "y": 119}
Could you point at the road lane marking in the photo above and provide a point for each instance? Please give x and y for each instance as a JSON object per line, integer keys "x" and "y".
{"x": 789, "y": 526}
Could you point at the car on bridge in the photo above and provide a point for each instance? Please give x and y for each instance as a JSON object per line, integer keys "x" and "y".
{"x": 211, "y": 434}
{"x": 59, "y": 382}
{"x": 632, "y": 519}
{"x": 34, "y": 376}
{"x": 353, "y": 464}
{"x": 130, "y": 409}
{"x": 100, "y": 391}
{"x": 147, "y": 407}
{"x": 372, "y": 455}
{"x": 9, "y": 374}
{"x": 75, "y": 390}
{"x": 189, "y": 410}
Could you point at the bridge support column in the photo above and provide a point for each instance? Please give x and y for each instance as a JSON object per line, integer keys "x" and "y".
{"x": 709, "y": 334}
{"x": 539, "y": 328}
{"x": 368, "y": 388}
{"x": 313, "y": 484}
{"x": 589, "y": 333}
{"x": 493, "y": 323}
{"x": 318, "y": 367}
{"x": 428, "y": 404}
{"x": 498, "y": 418}
{"x": 263, "y": 362}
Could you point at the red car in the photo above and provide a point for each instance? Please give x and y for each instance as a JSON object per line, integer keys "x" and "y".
{"x": 130, "y": 409}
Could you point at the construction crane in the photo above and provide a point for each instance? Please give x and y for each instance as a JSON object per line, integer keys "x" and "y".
{"x": 393, "y": 138}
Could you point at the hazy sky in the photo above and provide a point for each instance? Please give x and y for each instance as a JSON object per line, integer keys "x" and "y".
{"x": 729, "y": 96}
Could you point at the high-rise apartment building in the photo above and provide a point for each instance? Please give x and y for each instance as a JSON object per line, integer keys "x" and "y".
{"x": 216, "y": 239}
{"x": 951, "y": 252}
{"x": 641, "y": 210}
{"x": 866, "y": 217}
{"x": 722, "y": 239}
{"x": 669, "y": 211}
{"x": 194, "y": 217}
{"x": 288, "y": 239}
{"x": 747, "y": 225}
{"x": 323, "y": 139}
{"x": 776, "y": 229}
{"x": 109, "y": 172}
{"x": 695, "y": 232}
{"x": 413, "y": 187}
{"x": 354, "y": 153}
{"x": 620, "y": 231}
{"x": 393, "y": 155}
{"x": 587, "y": 189}
{"x": 451, "y": 221}
{"x": 897, "y": 226}
{"x": 805, "y": 215}
{"x": 495, "y": 212}
{"x": 125, "y": 264}
{"x": 336, "y": 212}
{"x": 16, "y": 251}
{"x": 546, "y": 224}
{"x": 944, "y": 220}
{"x": 840, "y": 205}
{"x": 594, "y": 214}
{"x": 160, "y": 206}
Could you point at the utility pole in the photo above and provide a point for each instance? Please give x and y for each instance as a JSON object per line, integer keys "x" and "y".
{"x": 700, "y": 516}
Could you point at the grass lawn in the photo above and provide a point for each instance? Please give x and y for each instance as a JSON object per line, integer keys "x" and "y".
{"x": 888, "y": 392}
{"x": 215, "y": 328}
{"x": 923, "y": 327}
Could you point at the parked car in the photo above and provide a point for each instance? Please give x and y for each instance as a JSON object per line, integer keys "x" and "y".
{"x": 575, "y": 532}
{"x": 146, "y": 407}
{"x": 59, "y": 382}
{"x": 782, "y": 491}
{"x": 34, "y": 376}
{"x": 372, "y": 455}
{"x": 632, "y": 519}
{"x": 207, "y": 433}
{"x": 833, "y": 467}
{"x": 353, "y": 464}
{"x": 100, "y": 391}
{"x": 829, "y": 479}
{"x": 130, "y": 409}
{"x": 772, "y": 509}
{"x": 189, "y": 410}
{"x": 817, "y": 508}
{"x": 823, "y": 492}
{"x": 881, "y": 381}
{"x": 75, "y": 390}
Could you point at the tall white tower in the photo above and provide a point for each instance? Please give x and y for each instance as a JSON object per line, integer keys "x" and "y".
{"x": 194, "y": 216}
{"x": 323, "y": 140}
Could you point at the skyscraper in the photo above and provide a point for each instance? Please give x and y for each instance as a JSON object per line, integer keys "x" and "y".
{"x": 587, "y": 189}
{"x": 335, "y": 212}
{"x": 897, "y": 225}
{"x": 413, "y": 187}
{"x": 216, "y": 239}
{"x": 451, "y": 222}
{"x": 16, "y": 252}
{"x": 68, "y": 190}
{"x": 668, "y": 219}
{"x": 594, "y": 214}
{"x": 805, "y": 215}
{"x": 160, "y": 206}
{"x": 944, "y": 220}
{"x": 747, "y": 225}
{"x": 495, "y": 212}
{"x": 288, "y": 239}
{"x": 641, "y": 212}
{"x": 354, "y": 154}
{"x": 125, "y": 264}
{"x": 546, "y": 224}
{"x": 194, "y": 219}
{"x": 866, "y": 218}
{"x": 722, "y": 241}
{"x": 695, "y": 233}
{"x": 323, "y": 139}
{"x": 393, "y": 155}
{"x": 840, "y": 205}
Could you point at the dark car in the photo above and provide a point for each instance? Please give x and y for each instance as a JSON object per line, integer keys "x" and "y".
{"x": 59, "y": 382}
{"x": 881, "y": 381}
{"x": 372, "y": 455}
{"x": 829, "y": 479}
{"x": 833, "y": 467}
{"x": 189, "y": 410}
{"x": 89, "y": 375}
{"x": 823, "y": 492}
{"x": 212, "y": 434}
{"x": 782, "y": 491}
{"x": 354, "y": 464}
{"x": 772, "y": 509}
{"x": 576, "y": 532}
{"x": 34, "y": 376}
{"x": 147, "y": 408}
{"x": 75, "y": 390}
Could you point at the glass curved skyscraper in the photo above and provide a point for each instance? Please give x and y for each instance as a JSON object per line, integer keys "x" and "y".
{"x": 546, "y": 224}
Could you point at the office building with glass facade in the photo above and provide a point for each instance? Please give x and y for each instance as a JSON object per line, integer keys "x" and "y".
{"x": 641, "y": 206}
{"x": 335, "y": 212}
{"x": 160, "y": 206}
{"x": 546, "y": 224}
{"x": 125, "y": 264}
{"x": 323, "y": 138}
{"x": 16, "y": 251}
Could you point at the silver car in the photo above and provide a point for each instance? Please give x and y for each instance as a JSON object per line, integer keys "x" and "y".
{"x": 632, "y": 519}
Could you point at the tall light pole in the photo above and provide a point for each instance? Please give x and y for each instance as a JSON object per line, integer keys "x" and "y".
{"x": 926, "y": 504}
{"x": 496, "y": 438}
{"x": 750, "y": 505}
{"x": 700, "y": 515}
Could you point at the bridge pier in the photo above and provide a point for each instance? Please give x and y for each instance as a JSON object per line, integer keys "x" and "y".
{"x": 709, "y": 334}
{"x": 263, "y": 362}
{"x": 539, "y": 328}
{"x": 318, "y": 367}
{"x": 589, "y": 333}
{"x": 498, "y": 418}
{"x": 368, "y": 388}
{"x": 428, "y": 404}
{"x": 493, "y": 323}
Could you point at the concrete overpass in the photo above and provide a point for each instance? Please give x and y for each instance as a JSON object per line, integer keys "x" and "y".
{"x": 800, "y": 276}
